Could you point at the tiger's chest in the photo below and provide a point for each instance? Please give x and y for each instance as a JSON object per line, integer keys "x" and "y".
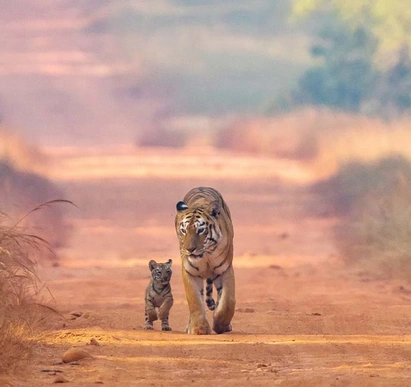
{"x": 209, "y": 265}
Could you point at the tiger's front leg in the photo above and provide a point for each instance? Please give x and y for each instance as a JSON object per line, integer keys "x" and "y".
{"x": 197, "y": 323}
{"x": 224, "y": 311}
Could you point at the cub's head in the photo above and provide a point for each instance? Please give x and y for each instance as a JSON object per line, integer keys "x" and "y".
{"x": 197, "y": 229}
{"x": 161, "y": 272}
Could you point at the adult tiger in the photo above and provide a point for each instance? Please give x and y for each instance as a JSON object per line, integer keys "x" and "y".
{"x": 205, "y": 232}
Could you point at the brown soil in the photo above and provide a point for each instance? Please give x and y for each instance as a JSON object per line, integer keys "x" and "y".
{"x": 301, "y": 319}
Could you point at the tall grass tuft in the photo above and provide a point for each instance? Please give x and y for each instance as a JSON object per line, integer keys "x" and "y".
{"x": 21, "y": 308}
{"x": 372, "y": 203}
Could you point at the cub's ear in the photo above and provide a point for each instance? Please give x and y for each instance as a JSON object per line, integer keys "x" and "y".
{"x": 152, "y": 265}
{"x": 169, "y": 262}
{"x": 215, "y": 210}
{"x": 181, "y": 206}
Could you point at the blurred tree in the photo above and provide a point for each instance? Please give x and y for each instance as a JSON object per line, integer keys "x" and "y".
{"x": 388, "y": 21}
{"x": 362, "y": 56}
{"x": 343, "y": 75}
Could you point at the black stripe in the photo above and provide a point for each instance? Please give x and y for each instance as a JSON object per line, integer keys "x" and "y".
{"x": 160, "y": 290}
{"x": 192, "y": 275}
{"x": 194, "y": 267}
{"x": 167, "y": 291}
{"x": 221, "y": 264}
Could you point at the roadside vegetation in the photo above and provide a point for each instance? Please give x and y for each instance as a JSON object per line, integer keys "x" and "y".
{"x": 29, "y": 233}
{"x": 19, "y": 287}
{"x": 23, "y": 299}
{"x": 372, "y": 205}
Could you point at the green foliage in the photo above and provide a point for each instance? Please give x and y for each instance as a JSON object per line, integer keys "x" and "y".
{"x": 344, "y": 75}
{"x": 362, "y": 57}
{"x": 373, "y": 205}
{"x": 388, "y": 21}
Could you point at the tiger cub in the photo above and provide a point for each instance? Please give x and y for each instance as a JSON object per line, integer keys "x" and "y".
{"x": 158, "y": 295}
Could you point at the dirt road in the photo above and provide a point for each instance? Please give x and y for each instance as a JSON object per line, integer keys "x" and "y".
{"x": 292, "y": 327}
{"x": 301, "y": 319}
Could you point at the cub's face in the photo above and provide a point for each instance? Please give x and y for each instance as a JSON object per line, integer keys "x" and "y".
{"x": 161, "y": 272}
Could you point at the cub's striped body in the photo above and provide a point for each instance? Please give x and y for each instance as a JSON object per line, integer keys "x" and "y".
{"x": 158, "y": 295}
{"x": 205, "y": 233}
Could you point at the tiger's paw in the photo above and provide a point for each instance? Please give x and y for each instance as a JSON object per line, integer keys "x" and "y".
{"x": 222, "y": 328}
{"x": 199, "y": 330}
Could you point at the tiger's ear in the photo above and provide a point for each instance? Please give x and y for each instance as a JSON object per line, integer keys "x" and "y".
{"x": 152, "y": 264}
{"x": 181, "y": 206}
{"x": 215, "y": 210}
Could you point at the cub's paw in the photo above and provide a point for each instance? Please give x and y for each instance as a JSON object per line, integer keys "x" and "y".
{"x": 148, "y": 327}
{"x": 167, "y": 328}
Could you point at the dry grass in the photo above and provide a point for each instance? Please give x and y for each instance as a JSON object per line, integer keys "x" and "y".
{"x": 373, "y": 205}
{"x": 22, "y": 307}
{"x": 322, "y": 139}
{"x": 368, "y": 141}
{"x": 18, "y": 289}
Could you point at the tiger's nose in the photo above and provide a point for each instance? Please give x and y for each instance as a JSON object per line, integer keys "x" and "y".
{"x": 191, "y": 249}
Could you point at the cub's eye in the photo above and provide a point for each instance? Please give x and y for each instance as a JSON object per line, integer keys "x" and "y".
{"x": 168, "y": 271}
{"x": 200, "y": 231}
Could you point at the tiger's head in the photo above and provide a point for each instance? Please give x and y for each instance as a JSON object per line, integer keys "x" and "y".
{"x": 161, "y": 272}
{"x": 197, "y": 228}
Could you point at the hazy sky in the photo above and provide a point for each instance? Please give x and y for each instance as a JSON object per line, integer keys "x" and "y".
{"x": 98, "y": 71}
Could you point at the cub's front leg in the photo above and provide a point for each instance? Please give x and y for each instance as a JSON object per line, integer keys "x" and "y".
{"x": 163, "y": 313}
{"x": 150, "y": 315}
{"x": 197, "y": 323}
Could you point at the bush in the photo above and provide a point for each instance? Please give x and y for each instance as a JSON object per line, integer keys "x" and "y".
{"x": 372, "y": 203}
